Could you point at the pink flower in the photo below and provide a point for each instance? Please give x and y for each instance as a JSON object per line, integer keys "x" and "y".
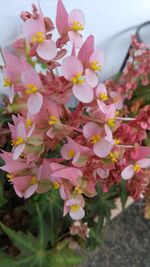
{"x": 75, "y": 208}
{"x": 33, "y": 85}
{"x": 129, "y": 171}
{"x": 102, "y": 144}
{"x": 72, "y": 70}
{"x": 35, "y": 33}
{"x": 12, "y": 72}
{"x": 101, "y": 92}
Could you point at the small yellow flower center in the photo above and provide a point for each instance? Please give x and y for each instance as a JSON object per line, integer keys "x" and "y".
{"x": 39, "y": 37}
{"x": 117, "y": 113}
{"x": 33, "y": 180}
{"x": 56, "y": 185}
{"x": 7, "y": 82}
{"x": 18, "y": 141}
{"x": 52, "y": 120}
{"x": 71, "y": 153}
{"x": 114, "y": 156}
{"x": 103, "y": 97}
{"x": 75, "y": 208}
{"x": 76, "y": 26}
{"x": 117, "y": 141}
{"x": 77, "y": 79}
{"x": 28, "y": 123}
{"x": 111, "y": 122}
{"x": 32, "y": 89}
{"x": 95, "y": 138}
{"x": 10, "y": 177}
{"x": 136, "y": 168}
{"x": 95, "y": 65}
{"x": 78, "y": 190}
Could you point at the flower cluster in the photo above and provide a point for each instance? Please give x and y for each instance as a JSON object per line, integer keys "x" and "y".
{"x": 56, "y": 147}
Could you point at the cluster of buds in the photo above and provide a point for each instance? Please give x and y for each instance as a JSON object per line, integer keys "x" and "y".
{"x": 96, "y": 143}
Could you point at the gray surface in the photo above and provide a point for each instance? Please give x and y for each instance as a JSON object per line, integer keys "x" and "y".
{"x": 127, "y": 242}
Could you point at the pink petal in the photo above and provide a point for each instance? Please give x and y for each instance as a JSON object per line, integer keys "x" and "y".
{"x": 29, "y": 76}
{"x": 102, "y": 173}
{"x": 75, "y": 38}
{"x": 70, "y": 173}
{"x": 18, "y": 150}
{"x": 70, "y": 67}
{"x": 65, "y": 151}
{"x": 47, "y": 50}
{"x": 83, "y": 92}
{"x": 34, "y": 103}
{"x": 102, "y": 148}
{"x": 144, "y": 163}
{"x": 101, "y": 89}
{"x": 30, "y": 27}
{"x": 76, "y": 15}
{"x": 86, "y": 50}
{"x": 14, "y": 167}
{"x": 91, "y": 77}
{"x": 77, "y": 215}
{"x": 90, "y": 129}
{"x": 98, "y": 56}
{"x": 128, "y": 172}
{"x": 13, "y": 66}
{"x": 108, "y": 133}
{"x": 73, "y": 201}
{"x": 111, "y": 110}
{"x": 21, "y": 131}
{"x": 30, "y": 190}
{"x": 61, "y": 18}
{"x": 11, "y": 94}
{"x": 102, "y": 106}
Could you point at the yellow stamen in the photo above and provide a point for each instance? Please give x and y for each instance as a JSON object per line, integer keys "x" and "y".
{"x": 39, "y": 37}
{"x": 33, "y": 180}
{"x": 136, "y": 168}
{"x": 75, "y": 208}
{"x": 18, "y": 141}
{"x": 56, "y": 185}
{"x": 95, "y": 138}
{"x": 7, "y": 82}
{"x": 95, "y": 66}
{"x": 76, "y": 26}
{"x": 10, "y": 177}
{"x": 111, "y": 122}
{"x": 52, "y": 120}
{"x": 103, "y": 97}
{"x": 117, "y": 113}
{"x": 78, "y": 190}
{"x": 77, "y": 79}
{"x": 117, "y": 141}
{"x": 32, "y": 89}
{"x": 28, "y": 123}
{"x": 71, "y": 153}
{"x": 114, "y": 156}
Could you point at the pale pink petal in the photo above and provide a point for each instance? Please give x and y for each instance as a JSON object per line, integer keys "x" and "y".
{"x": 76, "y": 15}
{"x": 13, "y": 67}
{"x": 83, "y": 92}
{"x": 29, "y": 76}
{"x": 90, "y": 129}
{"x": 65, "y": 151}
{"x": 76, "y": 157}
{"x": 75, "y": 38}
{"x": 111, "y": 110}
{"x": 86, "y": 50}
{"x": 30, "y": 27}
{"x": 101, "y": 89}
{"x": 144, "y": 163}
{"x": 18, "y": 150}
{"x": 21, "y": 130}
{"x": 78, "y": 215}
{"x": 102, "y": 173}
{"x": 11, "y": 94}
{"x": 128, "y": 172}
{"x": 61, "y": 18}
{"x": 102, "y": 148}
{"x": 108, "y": 133}
{"x": 47, "y": 50}
{"x": 30, "y": 190}
{"x": 97, "y": 56}
{"x": 14, "y": 167}
{"x": 91, "y": 77}
{"x": 102, "y": 106}
{"x": 73, "y": 201}
{"x": 70, "y": 173}
{"x": 34, "y": 103}
{"x": 31, "y": 130}
{"x": 70, "y": 67}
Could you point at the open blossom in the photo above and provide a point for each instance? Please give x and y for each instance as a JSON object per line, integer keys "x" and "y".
{"x": 35, "y": 33}
{"x": 130, "y": 170}
{"x": 75, "y": 208}
{"x": 12, "y": 72}
{"x": 70, "y": 24}
{"x": 72, "y": 70}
